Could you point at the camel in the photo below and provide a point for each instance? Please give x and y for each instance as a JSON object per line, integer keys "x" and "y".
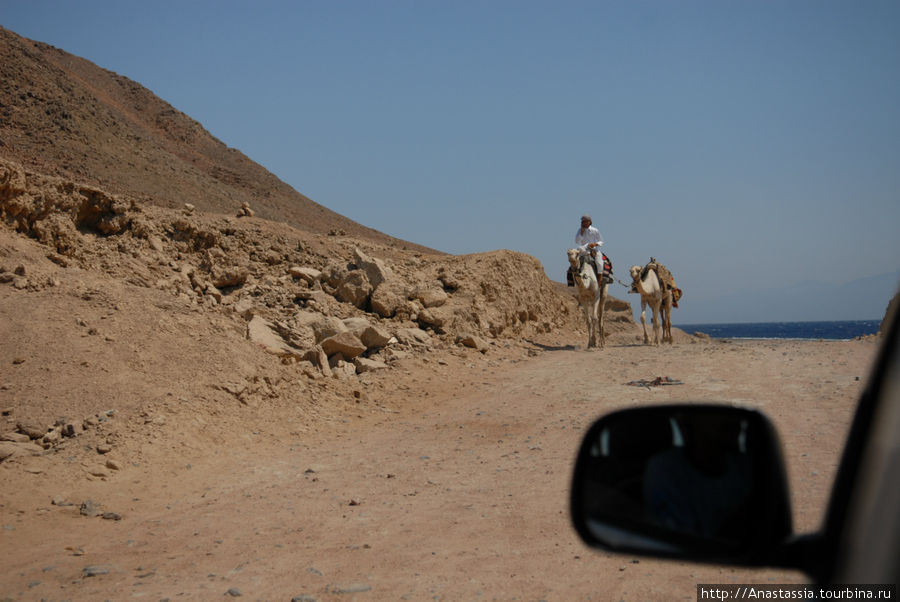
{"x": 658, "y": 298}
{"x": 591, "y": 297}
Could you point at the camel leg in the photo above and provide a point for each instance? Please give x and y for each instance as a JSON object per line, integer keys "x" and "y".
{"x": 600, "y": 308}
{"x": 644, "y": 322}
{"x": 655, "y": 324}
{"x": 667, "y": 320}
{"x": 589, "y": 319}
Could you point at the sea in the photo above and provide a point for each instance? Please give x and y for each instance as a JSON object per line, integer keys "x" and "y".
{"x": 830, "y": 331}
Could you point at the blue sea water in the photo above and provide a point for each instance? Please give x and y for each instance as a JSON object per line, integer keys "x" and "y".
{"x": 838, "y": 331}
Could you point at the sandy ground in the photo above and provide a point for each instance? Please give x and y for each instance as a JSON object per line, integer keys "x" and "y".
{"x": 452, "y": 485}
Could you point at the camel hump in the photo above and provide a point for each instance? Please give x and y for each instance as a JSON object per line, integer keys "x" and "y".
{"x": 662, "y": 272}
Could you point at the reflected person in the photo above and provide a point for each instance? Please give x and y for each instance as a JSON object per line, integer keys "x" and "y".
{"x": 701, "y": 487}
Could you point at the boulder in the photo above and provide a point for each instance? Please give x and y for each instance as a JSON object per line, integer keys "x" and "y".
{"x": 32, "y": 429}
{"x": 473, "y": 342}
{"x": 345, "y": 343}
{"x": 414, "y": 337}
{"x": 389, "y": 298}
{"x": 431, "y": 296}
{"x": 371, "y": 335}
{"x": 355, "y": 289}
{"x": 230, "y": 276}
{"x": 264, "y": 333}
{"x": 375, "y": 269}
{"x": 310, "y": 275}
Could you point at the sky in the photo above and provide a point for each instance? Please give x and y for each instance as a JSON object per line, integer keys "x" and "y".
{"x": 753, "y": 147}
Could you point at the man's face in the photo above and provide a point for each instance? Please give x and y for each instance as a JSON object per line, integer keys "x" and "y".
{"x": 585, "y": 223}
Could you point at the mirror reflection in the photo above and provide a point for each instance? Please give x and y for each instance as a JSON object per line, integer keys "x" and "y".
{"x": 674, "y": 474}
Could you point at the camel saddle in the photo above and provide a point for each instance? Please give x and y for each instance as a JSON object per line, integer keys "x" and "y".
{"x": 665, "y": 278}
{"x": 607, "y": 269}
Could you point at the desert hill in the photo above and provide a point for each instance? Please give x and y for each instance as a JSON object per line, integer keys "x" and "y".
{"x": 142, "y": 261}
{"x": 63, "y": 116}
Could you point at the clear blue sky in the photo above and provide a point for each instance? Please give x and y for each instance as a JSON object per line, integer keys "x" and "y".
{"x": 745, "y": 144}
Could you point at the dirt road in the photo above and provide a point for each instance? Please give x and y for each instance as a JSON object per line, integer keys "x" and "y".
{"x": 449, "y": 483}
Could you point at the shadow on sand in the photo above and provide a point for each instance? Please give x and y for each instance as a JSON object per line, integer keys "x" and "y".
{"x": 543, "y": 347}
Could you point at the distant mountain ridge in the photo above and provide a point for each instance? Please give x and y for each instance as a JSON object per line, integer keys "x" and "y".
{"x": 61, "y": 115}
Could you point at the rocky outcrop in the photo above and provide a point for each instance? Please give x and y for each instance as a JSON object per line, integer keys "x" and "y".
{"x": 302, "y": 300}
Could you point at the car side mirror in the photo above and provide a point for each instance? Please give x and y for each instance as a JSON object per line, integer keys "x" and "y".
{"x": 696, "y": 482}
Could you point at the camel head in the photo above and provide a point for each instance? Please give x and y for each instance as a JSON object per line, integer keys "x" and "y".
{"x": 573, "y": 257}
{"x": 635, "y": 272}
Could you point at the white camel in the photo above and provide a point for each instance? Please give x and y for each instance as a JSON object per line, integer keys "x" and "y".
{"x": 660, "y": 301}
{"x": 591, "y": 297}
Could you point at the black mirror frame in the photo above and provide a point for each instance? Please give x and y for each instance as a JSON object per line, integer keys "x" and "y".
{"x": 775, "y": 513}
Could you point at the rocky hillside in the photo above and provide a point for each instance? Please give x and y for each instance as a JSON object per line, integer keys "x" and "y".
{"x": 149, "y": 273}
{"x": 63, "y": 116}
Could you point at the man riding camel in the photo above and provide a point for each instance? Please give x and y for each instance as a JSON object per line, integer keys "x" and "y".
{"x": 589, "y": 241}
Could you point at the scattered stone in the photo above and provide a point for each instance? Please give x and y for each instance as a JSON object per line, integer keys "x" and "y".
{"x": 474, "y": 342}
{"x": 94, "y": 571}
{"x": 34, "y": 431}
{"x": 245, "y": 210}
{"x": 310, "y": 275}
{"x": 89, "y": 508}
{"x": 345, "y": 343}
{"x": 234, "y": 592}
{"x": 364, "y": 365}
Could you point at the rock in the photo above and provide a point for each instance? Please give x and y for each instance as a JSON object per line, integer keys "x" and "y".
{"x": 89, "y": 508}
{"x": 52, "y": 437}
{"x": 316, "y": 296}
{"x": 372, "y": 336}
{"x": 263, "y": 333}
{"x": 436, "y": 317}
{"x": 355, "y": 289}
{"x": 388, "y": 299}
{"x": 244, "y": 308}
{"x": 93, "y": 571}
{"x": 474, "y": 342}
{"x": 431, "y": 297}
{"x": 364, "y": 365}
{"x": 156, "y": 243}
{"x": 7, "y": 450}
{"x": 230, "y": 276}
{"x": 324, "y": 326}
{"x": 33, "y": 430}
{"x": 345, "y": 343}
{"x": 415, "y": 337}
{"x": 15, "y": 437}
{"x": 340, "y": 368}
{"x": 245, "y": 211}
{"x": 375, "y": 270}
{"x": 310, "y": 275}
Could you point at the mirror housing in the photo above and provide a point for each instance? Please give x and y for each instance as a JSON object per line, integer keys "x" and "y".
{"x": 695, "y": 482}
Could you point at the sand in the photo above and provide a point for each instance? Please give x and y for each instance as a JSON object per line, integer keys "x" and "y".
{"x": 448, "y": 481}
